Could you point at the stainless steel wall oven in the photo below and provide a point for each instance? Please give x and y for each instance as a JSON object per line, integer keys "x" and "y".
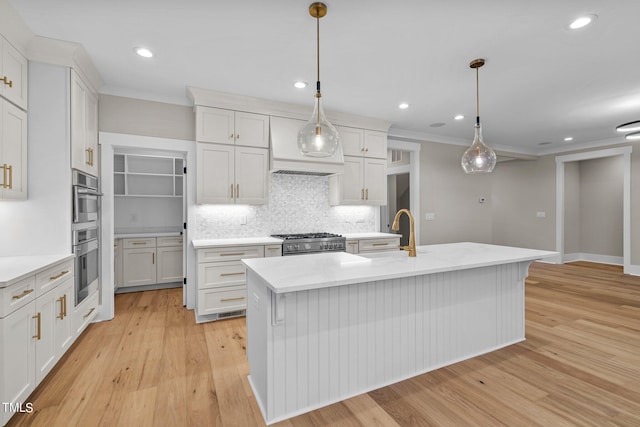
{"x": 86, "y": 198}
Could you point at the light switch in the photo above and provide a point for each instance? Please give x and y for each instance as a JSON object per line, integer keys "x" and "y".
{"x": 430, "y": 216}
{"x": 541, "y": 214}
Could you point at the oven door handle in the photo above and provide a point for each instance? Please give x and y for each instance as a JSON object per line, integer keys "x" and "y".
{"x": 76, "y": 209}
{"x": 87, "y": 191}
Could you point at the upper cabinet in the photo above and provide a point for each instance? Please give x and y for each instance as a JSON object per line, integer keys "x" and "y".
{"x": 13, "y": 152}
{"x": 363, "y": 142}
{"x": 84, "y": 126}
{"x": 13, "y": 75}
{"x": 221, "y": 126}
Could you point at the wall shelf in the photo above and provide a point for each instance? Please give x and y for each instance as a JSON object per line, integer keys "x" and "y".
{"x": 136, "y": 175}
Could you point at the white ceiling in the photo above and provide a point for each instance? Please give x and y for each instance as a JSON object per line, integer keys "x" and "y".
{"x": 541, "y": 82}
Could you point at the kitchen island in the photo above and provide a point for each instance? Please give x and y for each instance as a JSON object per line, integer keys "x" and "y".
{"x": 322, "y": 328}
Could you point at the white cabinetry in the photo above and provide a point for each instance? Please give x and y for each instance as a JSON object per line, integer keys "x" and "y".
{"x": 148, "y": 261}
{"x": 85, "y": 312}
{"x": 137, "y": 175}
{"x": 221, "y": 279}
{"x": 36, "y": 326}
{"x": 228, "y": 174}
{"x": 13, "y": 74}
{"x": 363, "y": 142}
{"x": 221, "y": 126}
{"x": 84, "y": 126}
{"x": 364, "y": 182}
{"x": 13, "y": 151}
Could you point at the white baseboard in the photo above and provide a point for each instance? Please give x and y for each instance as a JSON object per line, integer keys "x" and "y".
{"x": 602, "y": 259}
{"x": 633, "y": 270}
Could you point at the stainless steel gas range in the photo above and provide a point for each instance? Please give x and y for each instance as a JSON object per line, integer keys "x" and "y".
{"x": 309, "y": 243}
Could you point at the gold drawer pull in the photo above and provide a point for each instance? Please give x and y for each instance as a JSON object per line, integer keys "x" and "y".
{"x": 89, "y": 313}
{"x": 58, "y": 275}
{"x": 64, "y": 306}
{"x": 380, "y": 244}
{"x": 232, "y": 191}
{"x": 231, "y": 299}
{"x": 39, "y": 317}
{"x": 8, "y": 82}
{"x": 231, "y": 274}
{"x": 23, "y": 294}
{"x": 8, "y": 182}
{"x": 231, "y": 253}
{"x": 366, "y": 197}
{"x": 139, "y": 243}
{"x": 273, "y": 248}
{"x": 362, "y": 194}
{"x": 352, "y": 243}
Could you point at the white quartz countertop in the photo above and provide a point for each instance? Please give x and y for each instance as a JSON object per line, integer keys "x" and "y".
{"x": 241, "y": 241}
{"x": 305, "y": 272}
{"x": 16, "y": 268}
{"x": 374, "y": 235}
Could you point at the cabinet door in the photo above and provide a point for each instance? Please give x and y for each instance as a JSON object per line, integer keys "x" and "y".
{"x": 272, "y": 250}
{"x": 352, "y": 140}
{"x": 46, "y": 311}
{"x": 91, "y": 133}
{"x": 13, "y": 152}
{"x": 252, "y": 130}
{"x": 375, "y": 179}
{"x": 251, "y": 171}
{"x": 85, "y": 312}
{"x": 139, "y": 267}
{"x": 14, "y": 68}
{"x": 353, "y": 181}
{"x": 375, "y": 144}
{"x": 169, "y": 267}
{"x": 214, "y": 174}
{"x": 117, "y": 263}
{"x": 17, "y": 356}
{"x": 215, "y": 125}
{"x": 80, "y": 156}
{"x": 352, "y": 246}
{"x": 63, "y": 332}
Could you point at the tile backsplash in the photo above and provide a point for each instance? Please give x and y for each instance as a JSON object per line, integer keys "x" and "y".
{"x": 297, "y": 204}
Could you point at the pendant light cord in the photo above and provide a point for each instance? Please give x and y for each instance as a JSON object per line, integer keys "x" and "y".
{"x": 318, "y": 94}
{"x": 477, "y": 98}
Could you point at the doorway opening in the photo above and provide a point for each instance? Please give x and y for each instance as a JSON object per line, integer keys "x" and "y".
{"x": 566, "y": 224}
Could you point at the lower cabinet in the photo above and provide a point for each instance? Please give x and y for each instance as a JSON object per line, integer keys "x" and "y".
{"x": 221, "y": 280}
{"x": 85, "y": 312}
{"x": 37, "y": 322}
{"x": 378, "y": 244}
{"x": 149, "y": 261}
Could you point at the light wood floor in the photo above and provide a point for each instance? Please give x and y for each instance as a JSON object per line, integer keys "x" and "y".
{"x": 153, "y": 366}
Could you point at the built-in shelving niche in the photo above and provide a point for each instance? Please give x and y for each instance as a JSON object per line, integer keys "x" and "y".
{"x": 136, "y": 175}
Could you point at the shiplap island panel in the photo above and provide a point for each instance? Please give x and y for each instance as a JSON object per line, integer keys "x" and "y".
{"x": 313, "y": 341}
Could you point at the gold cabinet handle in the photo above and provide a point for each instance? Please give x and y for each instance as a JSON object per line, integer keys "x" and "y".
{"x": 8, "y": 176}
{"x": 38, "y": 334}
{"x": 8, "y": 82}
{"x": 231, "y": 136}
{"x": 237, "y": 191}
{"x": 89, "y": 313}
{"x": 231, "y": 299}
{"x": 57, "y": 276}
{"x": 273, "y": 248}
{"x": 10, "y": 186}
{"x": 23, "y": 294}
{"x": 139, "y": 243}
{"x": 366, "y": 150}
{"x": 65, "y": 305}
{"x": 88, "y": 160}
{"x": 61, "y": 315}
{"x": 352, "y": 243}
{"x": 232, "y": 274}
{"x": 367, "y": 194}
{"x": 4, "y": 173}
{"x": 231, "y": 253}
{"x": 232, "y": 191}
{"x": 380, "y": 244}
{"x": 153, "y": 258}
{"x": 362, "y": 194}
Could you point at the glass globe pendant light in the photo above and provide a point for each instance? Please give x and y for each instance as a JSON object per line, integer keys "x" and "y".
{"x": 479, "y": 157}
{"x": 318, "y": 138}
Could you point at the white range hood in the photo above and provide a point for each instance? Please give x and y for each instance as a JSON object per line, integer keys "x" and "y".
{"x": 287, "y": 159}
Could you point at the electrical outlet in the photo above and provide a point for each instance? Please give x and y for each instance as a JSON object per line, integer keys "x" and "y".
{"x": 134, "y": 217}
{"x": 430, "y": 216}
{"x": 256, "y": 300}
{"x": 360, "y": 221}
{"x": 541, "y": 214}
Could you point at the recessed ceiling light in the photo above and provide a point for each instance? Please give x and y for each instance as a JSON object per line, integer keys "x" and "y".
{"x": 459, "y": 117}
{"x": 437, "y": 125}
{"x": 633, "y": 136}
{"x": 544, "y": 143}
{"x": 300, "y": 84}
{"x": 569, "y": 138}
{"x": 143, "y": 52}
{"x": 629, "y": 127}
{"x": 582, "y": 21}
{"x": 403, "y": 106}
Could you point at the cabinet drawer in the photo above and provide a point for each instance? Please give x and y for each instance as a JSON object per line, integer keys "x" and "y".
{"x": 52, "y": 277}
{"x": 169, "y": 241}
{"x": 17, "y": 295}
{"x": 84, "y": 313}
{"x": 212, "y": 301}
{"x": 230, "y": 253}
{"x": 149, "y": 242}
{"x": 272, "y": 250}
{"x": 352, "y": 246}
{"x": 371, "y": 245}
{"x": 216, "y": 274}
